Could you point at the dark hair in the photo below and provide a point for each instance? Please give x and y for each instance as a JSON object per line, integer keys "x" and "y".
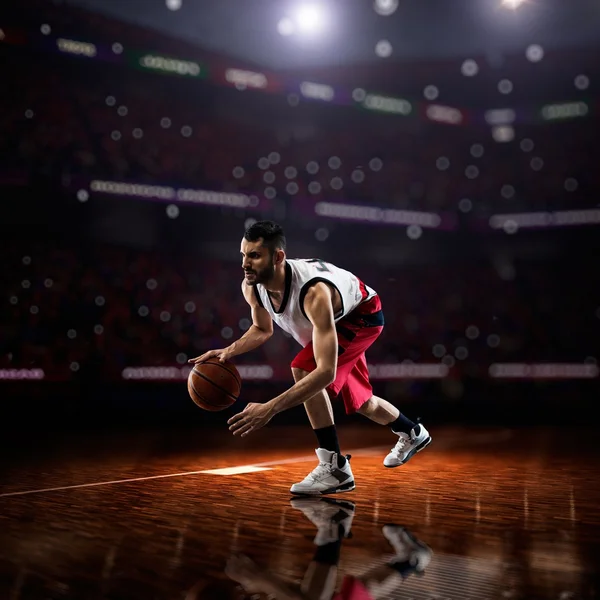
{"x": 271, "y": 233}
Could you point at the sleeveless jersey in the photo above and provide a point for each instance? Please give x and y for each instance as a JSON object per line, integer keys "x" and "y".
{"x": 300, "y": 275}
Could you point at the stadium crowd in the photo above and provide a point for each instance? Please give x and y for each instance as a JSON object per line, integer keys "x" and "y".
{"x": 107, "y": 307}
{"x": 115, "y": 122}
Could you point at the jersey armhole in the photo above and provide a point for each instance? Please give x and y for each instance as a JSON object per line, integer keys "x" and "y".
{"x": 308, "y": 285}
{"x": 257, "y": 296}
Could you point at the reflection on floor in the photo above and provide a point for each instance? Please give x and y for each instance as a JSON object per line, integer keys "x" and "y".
{"x": 479, "y": 514}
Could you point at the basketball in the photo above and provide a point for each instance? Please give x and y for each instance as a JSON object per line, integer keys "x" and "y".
{"x": 213, "y": 385}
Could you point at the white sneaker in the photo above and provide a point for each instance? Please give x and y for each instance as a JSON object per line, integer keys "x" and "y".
{"x": 407, "y": 446}
{"x": 333, "y": 518}
{"x": 326, "y": 477}
{"x": 412, "y": 555}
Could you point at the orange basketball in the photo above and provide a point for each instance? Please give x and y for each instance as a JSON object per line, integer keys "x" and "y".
{"x": 213, "y": 385}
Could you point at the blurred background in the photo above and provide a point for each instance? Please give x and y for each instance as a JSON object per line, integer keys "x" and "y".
{"x": 445, "y": 152}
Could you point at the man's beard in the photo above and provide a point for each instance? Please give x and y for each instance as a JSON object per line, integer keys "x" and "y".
{"x": 264, "y": 276}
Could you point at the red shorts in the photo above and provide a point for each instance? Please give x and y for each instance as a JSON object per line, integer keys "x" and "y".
{"x": 355, "y": 332}
{"x": 353, "y": 589}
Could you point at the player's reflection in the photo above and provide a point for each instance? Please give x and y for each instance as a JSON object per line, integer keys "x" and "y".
{"x": 333, "y": 519}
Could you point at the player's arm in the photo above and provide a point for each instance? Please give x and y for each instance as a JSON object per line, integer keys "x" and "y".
{"x": 318, "y": 307}
{"x": 258, "y": 333}
{"x": 244, "y": 570}
{"x": 260, "y": 330}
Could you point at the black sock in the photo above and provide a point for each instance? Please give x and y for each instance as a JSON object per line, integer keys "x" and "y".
{"x": 403, "y": 567}
{"x": 328, "y": 439}
{"x": 404, "y": 425}
{"x": 329, "y": 554}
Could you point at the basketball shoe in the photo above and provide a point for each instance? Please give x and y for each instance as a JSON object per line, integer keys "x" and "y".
{"x": 332, "y": 518}
{"x": 412, "y": 555}
{"x": 326, "y": 477}
{"x": 407, "y": 446}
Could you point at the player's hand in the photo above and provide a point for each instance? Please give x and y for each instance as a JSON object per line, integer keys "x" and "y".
{"x": 222, "y": 355}
{"x": 252, "y": 418}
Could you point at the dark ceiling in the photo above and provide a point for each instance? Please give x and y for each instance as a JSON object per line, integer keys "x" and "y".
{"x": 247, "y": 29}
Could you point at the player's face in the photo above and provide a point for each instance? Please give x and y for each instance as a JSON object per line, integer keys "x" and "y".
{"x": 257, "y": 262}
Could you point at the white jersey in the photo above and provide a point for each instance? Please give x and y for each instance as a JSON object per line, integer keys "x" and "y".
{"x": 300, "y": 275}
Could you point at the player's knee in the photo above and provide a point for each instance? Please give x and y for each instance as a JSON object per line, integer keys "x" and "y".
{"x": 368, "y": 407}
{"x": 298, "y": 374}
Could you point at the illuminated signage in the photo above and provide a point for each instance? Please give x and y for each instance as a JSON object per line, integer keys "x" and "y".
{"x": 246, "y": 78}
{"x": 75, "y": 47}
{"x": 570, "y": 110}
{"x": 170, "y": 65}
{"x": 387, "y": 104}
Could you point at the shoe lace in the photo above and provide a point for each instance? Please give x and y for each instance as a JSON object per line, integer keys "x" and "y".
{"x": 320, "y": 471}
{"x": 400, "y": 444}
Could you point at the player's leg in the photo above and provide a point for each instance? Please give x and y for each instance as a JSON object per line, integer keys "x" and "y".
{"x": 318, "y": 408}
{"x": 385, "y": 413}
{"x": 411, "y": 557}
{"x": 379, "y": 410}
{"x": 320, "y": 414}
{"x": 333, "y": 473}
{"x": 363, "y": 329}
{"x": 333, "y": 519}
{"x": 412, "y": 437}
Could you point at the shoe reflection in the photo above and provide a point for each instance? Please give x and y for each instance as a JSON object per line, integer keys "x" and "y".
{"x": 333, "y": 520}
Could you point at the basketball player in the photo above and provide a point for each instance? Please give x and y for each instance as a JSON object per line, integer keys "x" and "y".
{"x": 335, "y": 317}
{"x": 333, "y": 519}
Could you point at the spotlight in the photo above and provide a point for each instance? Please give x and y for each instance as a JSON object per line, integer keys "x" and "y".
{"x": 514, "y": 4}
{"x": 385, "y": 8}
{"x": 286, "y": 27}
{"x": 310, "y": 18}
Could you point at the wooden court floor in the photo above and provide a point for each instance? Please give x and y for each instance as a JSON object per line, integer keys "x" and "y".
{"x": 480, "y": 514}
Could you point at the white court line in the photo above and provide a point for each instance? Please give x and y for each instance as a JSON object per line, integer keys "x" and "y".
{"x": 84, "y": 485}
{"x": 236, "y": 470}
{"x": 286, "y": 461}
{"x": 371, "y": 450}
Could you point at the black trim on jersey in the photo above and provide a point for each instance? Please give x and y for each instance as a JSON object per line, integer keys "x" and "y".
{"x": 257, "y": 294}
{"x": 286, "y": 293}
{"x": 344, "y": 331}
{"x": 308, "y": 285}
{"x": 368, "y": 320}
